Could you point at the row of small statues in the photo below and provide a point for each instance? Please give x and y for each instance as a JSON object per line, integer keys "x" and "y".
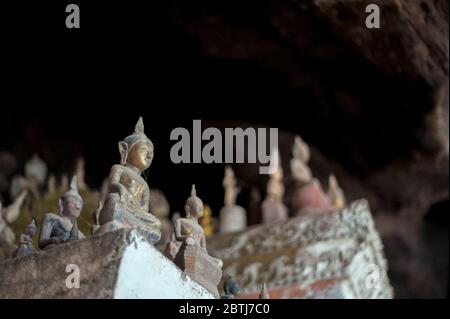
{"x": 126, "y": 204}
{"x": 307, "y": 195}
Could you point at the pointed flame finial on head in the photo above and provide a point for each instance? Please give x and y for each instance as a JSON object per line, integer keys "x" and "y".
{"x": 73, "y": 190}
{"x": 264, "y": 294}
{"x": 139, "y": 128}
{"x": 193, "y": 191}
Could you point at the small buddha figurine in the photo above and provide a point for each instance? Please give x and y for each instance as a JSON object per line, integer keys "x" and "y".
{"x": 51, "y": 185}
{"x": 335, "y": 193}
{"x": 307, "y": 194}
{"x": 127, "y": 203}
{"x": 233, "y": 218}
{"x": 159, "y": 206}
{"x": 36, "y": 170}
{"x": 273, "y": 208}
{"x": 80, "y": 173}
{"x": 230, "y": 289}
{"x": 26, "y": 246}
{"x": 299, "y": 162}
{"x": 192, "y": 256}
{"x": 58, "y": 229}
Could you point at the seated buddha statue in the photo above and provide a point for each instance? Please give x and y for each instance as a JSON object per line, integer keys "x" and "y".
{"x": 59, "y": 228}
{"x": 127, "y": 202}
{"x": 192, "y": 256}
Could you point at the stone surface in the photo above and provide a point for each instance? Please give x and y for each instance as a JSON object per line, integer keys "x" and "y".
{"x": 328, "y": 255}
{"x": 119, "y": 264}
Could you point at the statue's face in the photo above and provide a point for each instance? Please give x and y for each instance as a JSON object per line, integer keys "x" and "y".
{"x": 195, "y": 210}
{"x": 140, "y": 156}
{"x": 31, "y": 230}
{"x": 72, "y": 207}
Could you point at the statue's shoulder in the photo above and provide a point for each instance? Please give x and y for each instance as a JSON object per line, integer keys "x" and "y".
{"x": 117, "y": 169}
{"x": 51, "y": 217}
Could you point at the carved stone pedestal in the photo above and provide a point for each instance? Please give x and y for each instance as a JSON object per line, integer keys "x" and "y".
{"x": 200, "y": 267}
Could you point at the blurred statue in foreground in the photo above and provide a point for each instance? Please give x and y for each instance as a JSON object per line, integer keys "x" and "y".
{"x": 127, "y": 203}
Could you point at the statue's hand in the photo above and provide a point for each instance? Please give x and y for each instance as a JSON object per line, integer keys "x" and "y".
{"x": 190, "y": 241}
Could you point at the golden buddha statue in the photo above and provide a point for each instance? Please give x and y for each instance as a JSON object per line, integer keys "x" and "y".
{"x": 127, "y": 202}
{"x": 207, "y": 221}
{"x": 335, "y": 193}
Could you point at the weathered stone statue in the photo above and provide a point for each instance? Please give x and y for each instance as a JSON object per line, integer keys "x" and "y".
{"x": 192, "y": 256}
{"x": 335, "y": 193}
{"x": 26, "y": 240}
{"x": 127, "y": 204}
{"x": 273, "y": 208}
{"x": 307, "y": 194}
{"x": 233, "y": 218}
{"x": 58, "y": 229}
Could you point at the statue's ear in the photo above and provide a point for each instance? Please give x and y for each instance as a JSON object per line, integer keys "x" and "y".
{"x": 123, "y": 149}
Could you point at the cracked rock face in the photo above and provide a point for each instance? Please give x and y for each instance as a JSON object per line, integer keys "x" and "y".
{"x": 119, "y": 264}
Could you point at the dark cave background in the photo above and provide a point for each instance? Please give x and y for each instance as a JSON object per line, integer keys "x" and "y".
{"x": 373, "y": 104}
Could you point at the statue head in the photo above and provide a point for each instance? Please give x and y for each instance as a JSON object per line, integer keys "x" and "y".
{"x": 194, "y": 205}
{"x": 31, "y": 228}
{"x": 71, "y": 203}
{"x": 137, "y": 149}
